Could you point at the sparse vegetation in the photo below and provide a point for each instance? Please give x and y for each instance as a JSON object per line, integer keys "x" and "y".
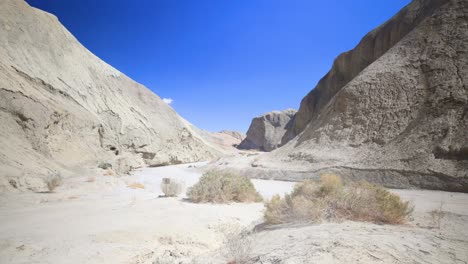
{"x": 223, "y": 187}
{"x": 331, "y": 183}
{"x": 437, "y": 215}
{"x": 53, "y": 181}
{"x": 136, "y": 185}
{"x": 330, "y": 199}
{"x": 238, "y": 246}
{"x": 171, "y": 187}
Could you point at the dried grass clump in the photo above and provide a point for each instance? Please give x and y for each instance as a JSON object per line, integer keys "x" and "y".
{"x": 369, "y": 202}
{"x": 53, "y": 181}
{"x": 238, "y": 245}
{"x": 171, "y": 187}
{"x": 330, "y": 199}
{"x": 293, "y": 209}
{"x": 437, "y": 215}
{"x": 136, "y": 185}
{"x": 222, "y": 187}
{"x": 331, "y": 183}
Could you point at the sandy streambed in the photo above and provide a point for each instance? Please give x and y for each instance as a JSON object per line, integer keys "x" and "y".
{"x": 102, "y": 220}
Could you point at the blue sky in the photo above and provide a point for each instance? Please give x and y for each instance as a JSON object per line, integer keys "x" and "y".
{"x": 222, "y": 61}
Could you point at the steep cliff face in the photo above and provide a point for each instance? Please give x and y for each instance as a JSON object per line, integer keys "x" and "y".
{"x": 350, "y": 64}
{"x": 266, "y": 131}
{"x": 63, "y": 109}
{"x": 401, "y": 121}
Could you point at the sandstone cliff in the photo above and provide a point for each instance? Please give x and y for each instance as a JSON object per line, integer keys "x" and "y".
{"x": 394, "y": 110}
{"x": 266, "y": 131}
{"x": 350, "y": 64}
{"x": 62, "y": 109}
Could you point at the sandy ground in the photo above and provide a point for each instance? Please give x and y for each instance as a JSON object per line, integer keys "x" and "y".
{"x": 106, "y": 222}
{"x": 355, "y": 242}
{"x": 102, "y": 220}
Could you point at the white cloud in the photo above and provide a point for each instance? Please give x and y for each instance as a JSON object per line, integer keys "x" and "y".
{"x": 167, "y": 100}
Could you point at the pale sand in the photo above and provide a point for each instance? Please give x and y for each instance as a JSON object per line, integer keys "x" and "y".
{"x": 106, "y": 222}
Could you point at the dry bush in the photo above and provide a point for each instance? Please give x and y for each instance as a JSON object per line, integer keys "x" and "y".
{"x": 171, "y": 187}
{"x": 437, "y": 215}
{"x": 222, "y": 187}
{"x": 331, "y": 200}
{"x": 136, "y": 185}
{"x": 293, "y": 209}
{"x": 330, "y": 183}
{"x": 368, "y": 202}
{"x": 237, "y": 244}
{"x": 277, "y": 211}
{"x": 53, "y": 181}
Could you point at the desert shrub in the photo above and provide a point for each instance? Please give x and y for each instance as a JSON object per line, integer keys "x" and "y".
{"x": 171, "y": 187}
{"x": 293, "y": 208}
{"x": 330, "y": 183}
{"x": 237, "y": 245}
{"x": 331, "y": 200}
{"x": 308, "y": 189}
{"x": 53, "y": 181}
{"x": 437, "y": 215}
{"x": 391, "y": 209}
{"x": 368, "y": 202}
{"x": 277, "y": 211}
{"x": 223, "y": 187}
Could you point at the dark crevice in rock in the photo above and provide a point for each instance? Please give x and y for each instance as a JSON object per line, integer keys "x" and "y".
{"x": 147, "y": 155}
{"x": 451, "y": 154}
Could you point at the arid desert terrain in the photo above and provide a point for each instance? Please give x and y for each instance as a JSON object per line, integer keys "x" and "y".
{"x": 106, "y": 221}
{"x": 371, "y": 168}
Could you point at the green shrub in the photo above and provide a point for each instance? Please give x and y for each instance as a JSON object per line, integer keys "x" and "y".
{"x": 222, "y": 187}
{"x": 331, "y": 200}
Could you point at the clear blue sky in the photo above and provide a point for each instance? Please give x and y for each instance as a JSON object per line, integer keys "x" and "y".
{"x": 222, "y": 61}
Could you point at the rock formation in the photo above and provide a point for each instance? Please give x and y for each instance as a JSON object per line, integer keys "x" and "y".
{"x": 266, "y": 131}
{"x": 350, "y": 64}
{"x": 394, "y": 110}
{"x": 225, "y": 141}
{"x": 62, "y": 109}
{"x": 237, "y": 135}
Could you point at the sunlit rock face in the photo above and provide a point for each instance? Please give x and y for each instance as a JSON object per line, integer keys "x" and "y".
{"x": 394, "y": 110}
{"x": 266, "y": 131}
{"x": 63, "y": 109}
